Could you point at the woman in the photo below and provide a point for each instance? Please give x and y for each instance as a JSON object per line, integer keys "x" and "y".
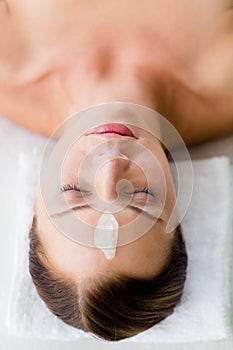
{"x": 136, "y": 276}
{"x": 56, "y": 59}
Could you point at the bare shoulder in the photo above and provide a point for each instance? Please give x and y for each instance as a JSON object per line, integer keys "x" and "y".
{"x": 205, "y": 129}
{"x": 207, "y": 110}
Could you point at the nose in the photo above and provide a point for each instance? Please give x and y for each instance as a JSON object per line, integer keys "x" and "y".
{"x": 108, "y": 176}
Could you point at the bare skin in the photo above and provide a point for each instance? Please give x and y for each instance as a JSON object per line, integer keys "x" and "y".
{"x": 140, "y": 257}
{"x": 175, "y": 57}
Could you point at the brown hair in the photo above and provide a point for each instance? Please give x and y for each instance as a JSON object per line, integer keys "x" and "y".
{"x": 112, "y": 307}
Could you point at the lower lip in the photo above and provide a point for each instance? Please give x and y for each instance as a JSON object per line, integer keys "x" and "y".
{"x": 114, "y": 128}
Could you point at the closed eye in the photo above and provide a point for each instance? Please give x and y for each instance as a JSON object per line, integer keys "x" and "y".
{"x": 72, "y": 187}
{"x": 142, "y": 190}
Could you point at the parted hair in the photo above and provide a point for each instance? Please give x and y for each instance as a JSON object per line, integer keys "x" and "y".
{"x": 111, "y": 307}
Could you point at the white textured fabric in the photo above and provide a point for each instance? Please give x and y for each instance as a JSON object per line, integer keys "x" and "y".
{"x": 204, "y": 312}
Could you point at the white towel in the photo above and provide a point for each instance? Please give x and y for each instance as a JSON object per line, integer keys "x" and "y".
{"x": 204, "y": 312}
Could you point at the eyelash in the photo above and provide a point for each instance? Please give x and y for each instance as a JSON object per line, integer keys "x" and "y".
{"x": 144, "y": 190}
{"x": 73, "y": 187}
{"x": 69, "y": 187}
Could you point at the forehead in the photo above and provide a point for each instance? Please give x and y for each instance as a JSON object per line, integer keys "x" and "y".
{"x": 140, "y": 259}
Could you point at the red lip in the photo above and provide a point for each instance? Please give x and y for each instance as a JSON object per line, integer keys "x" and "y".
{"x": 112, "y": 128}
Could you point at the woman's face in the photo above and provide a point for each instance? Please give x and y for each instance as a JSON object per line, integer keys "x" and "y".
{"x": 140, "y": 258}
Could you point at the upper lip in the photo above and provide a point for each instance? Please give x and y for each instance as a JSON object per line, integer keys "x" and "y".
{"x": 112, "y": 128}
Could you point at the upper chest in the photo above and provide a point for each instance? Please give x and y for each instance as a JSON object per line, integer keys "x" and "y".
{"x": 160, "y": 33}
{"x": 177, "y": 44}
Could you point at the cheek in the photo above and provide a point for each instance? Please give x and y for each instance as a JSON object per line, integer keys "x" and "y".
{"x": 70, "y": 167}
{"x": 29, "y": 228}
{"x": 73, "y": 159}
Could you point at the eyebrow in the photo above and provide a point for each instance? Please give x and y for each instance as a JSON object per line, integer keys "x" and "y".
{"x": 138, "y": 210}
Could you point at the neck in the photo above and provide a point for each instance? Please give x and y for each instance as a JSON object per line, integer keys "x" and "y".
{"x": 114, "y": 90}
{"x": 127, "y": 89}
{"x": 70, "y": 69}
